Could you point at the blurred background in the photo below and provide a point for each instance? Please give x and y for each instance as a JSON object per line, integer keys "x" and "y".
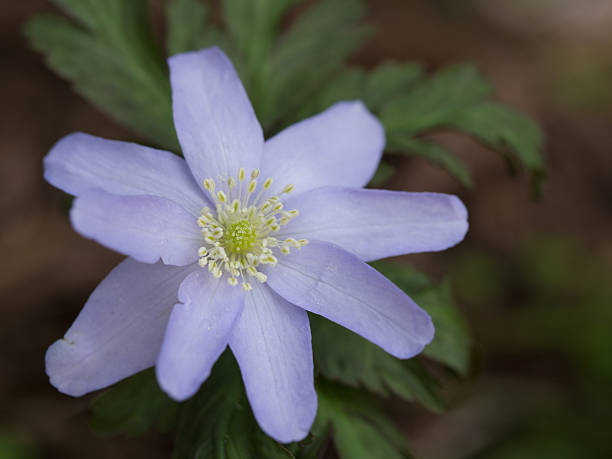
{"x": 532, "y": 277}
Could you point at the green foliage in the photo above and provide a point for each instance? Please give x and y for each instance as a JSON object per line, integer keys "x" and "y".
{"x": 109, "y": 55}
{"x": 15, "y": 447}
{"x": 384, "y": 172}
{"x": 111, "y": 58}
{"x": 360, "y": 429}
{"x": 133, "y": 406}
{"x": 435, "y": 153}
{"x": 217, "y": 422}
{"x": 253, "y": 28}
{"x": 253, "y": 25}
{"x": 451, "y": 343}
{"x": 503, "y": 128}
{"x": 308, "y": 55}
{"x": 457, "y": 97}
{"x": 435, "y": 101}
{"x": 410, "y": 105}
{"x": 390, "y": 80}
{"x": 189, "y": 28}
{"x": 386, "y": 82}
{"x": 343, "y": 356}
{"x": 347, "y": 85}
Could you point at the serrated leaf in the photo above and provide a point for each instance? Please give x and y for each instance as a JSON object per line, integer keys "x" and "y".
{"x": 186, "y": 21}
{"x": 505, "y": 129}
{"x": 253, "y": 25}
{"x": 112, "y": 60}
{"x": 389, "y": 80}
{"x": 133, "y": 406}
{"x": 310, "y": 53}
{"x": 348, "y": 85}
{"x": 343, "y": 356}
{"x": 434, "y": 153}
{"x": 253, "y": 28}
{"x": 360, "y": 429}
{"x": 435, "y": 101}
{"x": 189, "y": 28}
{"x": 374, "y": 88}
{"x": 456, "y": 97}
{"x": 451, "y": 343}
{"x": 218, "y": 423}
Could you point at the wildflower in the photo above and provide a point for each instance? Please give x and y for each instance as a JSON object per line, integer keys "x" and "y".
{"x": 234, "y": 244}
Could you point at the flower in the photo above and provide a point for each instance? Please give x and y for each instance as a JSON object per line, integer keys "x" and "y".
{"x": 287, "y": 219}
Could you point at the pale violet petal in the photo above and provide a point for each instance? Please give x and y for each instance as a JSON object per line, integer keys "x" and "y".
{"x": 272, "y": 345}
{"x": 120, "y": 329}
{"x": 375, "y": 224}
{"x": 79, "y": 163}
{"x": 146, "y": 228}
{"x": 324, "y": 279}
{"x": 340, "y": 146}
{"x": 215, "y": 122}
{"x": 198, "y": 331}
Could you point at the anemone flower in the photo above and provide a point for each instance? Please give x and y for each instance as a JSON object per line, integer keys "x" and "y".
{"x": 235, "y": 243}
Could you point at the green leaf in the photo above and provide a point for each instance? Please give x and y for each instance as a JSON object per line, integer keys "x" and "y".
{"x": 404, "y": 276}
{"x": 435, "y": 101}
{"x": 111, "y": 59}
{"x": 504, "y": 129}
{"x": 133, "y": 406}
{"x": 343, "y": 356}
{"x": 308, "y": 55}
{"x": 218, "y": 422}
{"x": 253, "y": 28}
{"x": 348, "y": 85}
{"x": 456, "y": 97}
{"x": 360, "y": 429}
{"x": 189, "y": 28}
{"x": 435, "y": 154}
{"x": 451, "y": 343}
{"x": 374, "y": 88}
{"x": 384, "y": 172}
{"x": 389, "y": 80}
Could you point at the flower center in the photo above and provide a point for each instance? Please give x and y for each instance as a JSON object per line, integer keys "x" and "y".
{"x": 240, "y": 237}
{"x": 238, "y": 233}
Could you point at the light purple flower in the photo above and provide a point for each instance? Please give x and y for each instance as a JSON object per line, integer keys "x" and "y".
{"x": 234, "y": 244}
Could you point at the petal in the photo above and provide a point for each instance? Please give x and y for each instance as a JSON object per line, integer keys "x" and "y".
{"x": 119, "y": 331}
{"x": 272, "y": 345}
{"x": 143, "y": 227}
{"x": 214, "y": 119}
{"x": 324, "y": 279}
{"x": 340, "y": 146}
{"x": 79, "y": 163}
{"x": 375, "y": 224}
{"x": 197, "y": 333}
